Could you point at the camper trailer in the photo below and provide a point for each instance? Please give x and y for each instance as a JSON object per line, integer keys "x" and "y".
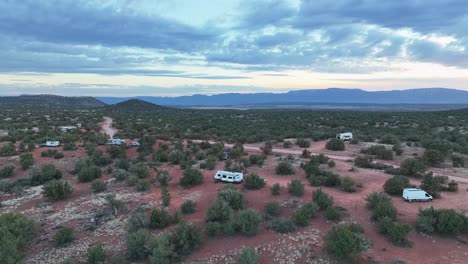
{"x": 414, "y": 194}
{"x": 345, "y": 136}
{"x": 229, "y": 176}
{"x": 115, "y": 141}
{"x": 52, "y": 143}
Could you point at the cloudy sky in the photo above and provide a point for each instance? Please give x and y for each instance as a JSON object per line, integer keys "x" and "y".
{"x": 169, "y": 47}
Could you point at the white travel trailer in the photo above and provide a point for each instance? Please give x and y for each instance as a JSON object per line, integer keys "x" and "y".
{"x": 115, "y": 141}
{"x": 345, "y": 136}
{"x": 229, "y": 176}
{"x": 52, "y": 143}
{"x": 414, "y": 194}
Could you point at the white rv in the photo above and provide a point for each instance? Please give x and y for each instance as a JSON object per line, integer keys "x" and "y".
{"x": 414, "y": 194}
{"x": 115, "y": 141}
{"x": 52, "y": 143}
{"x": 345, "y": 136}
{"x": 229, "y": 176}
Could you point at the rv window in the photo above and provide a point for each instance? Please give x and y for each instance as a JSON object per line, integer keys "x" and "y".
{"x": 427, "y": 195}
{"x": 230, "y": 177}
{"x": 224, "y": 176}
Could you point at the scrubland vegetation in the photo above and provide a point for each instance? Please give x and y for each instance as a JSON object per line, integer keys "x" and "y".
{"x": 158, "y": 185}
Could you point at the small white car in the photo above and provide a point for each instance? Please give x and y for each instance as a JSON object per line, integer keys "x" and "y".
{"x": 414, "y": 194}
{"x": 229, "y": 176}
{"x": 134, "y": 144}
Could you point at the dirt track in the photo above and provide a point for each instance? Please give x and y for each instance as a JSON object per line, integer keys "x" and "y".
{"x": 106, "y": 127}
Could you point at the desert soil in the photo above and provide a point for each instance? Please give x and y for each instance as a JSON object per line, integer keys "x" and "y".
{"x": 302, "y": 246}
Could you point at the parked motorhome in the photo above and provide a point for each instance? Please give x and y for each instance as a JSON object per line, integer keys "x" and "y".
{"x": 52, "y": 143}
{"x": 229, "y": 176}
{"x": 115, "y": 141}
{"x": 66, "y": 128}
{"x": 414, "y": 194}
{"x": 345, "y": 136}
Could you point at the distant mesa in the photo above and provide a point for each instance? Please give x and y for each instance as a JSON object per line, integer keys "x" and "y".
{"x": 134, "y": 105}
{"x": 54, "y": 101}
{"x": 311, "y": 96}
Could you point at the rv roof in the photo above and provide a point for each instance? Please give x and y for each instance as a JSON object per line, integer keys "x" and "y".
{"x": 412, "y": 189}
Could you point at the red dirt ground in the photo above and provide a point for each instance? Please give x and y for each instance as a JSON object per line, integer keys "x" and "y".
{"x": 302, "y": 246}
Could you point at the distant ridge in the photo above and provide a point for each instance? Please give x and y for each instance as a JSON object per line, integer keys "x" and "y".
{"x": 135, "y": 105}
{"x": 47, "y": 100}
{"x": 330, "y": 95}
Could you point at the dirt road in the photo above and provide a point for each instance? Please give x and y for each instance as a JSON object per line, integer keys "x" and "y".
{"x": 106, "y": 127}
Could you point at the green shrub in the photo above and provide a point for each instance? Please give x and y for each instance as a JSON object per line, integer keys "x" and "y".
{"x": 121, "y": 175}
{"x": 143, "y": 185}
{"x": 385, "y": 209}
{"x": 282, "y": 225}
{"x": 287, "y": 144}
{"x": 98, "y": 186}
{"x": 59, "y": 155}
{"x": 458, "y": 161}
{"x": 69, "y": 146}
{"x": 247, "y": 222}
{"x": 175, "y": 156}
{"x": 46, "y": 173}
{"x": 57, "y": 190}
{"x": 96, "y": 255}
{"x": 433, "y": 158}
{"x": 192, "y": 177}
{"x": 322, "y": 199}
{"x": 64, "y": 236}
{"x": 348, "y": 184}
{"x": 284, "y": 168}
{"x": 16, "y": 231}
{"x": 395, "y": 232}
{"x": 302, "y": 143}
{"x": 166, "y": 197}
{"x": 122, "y": 164}
{"x": 272, "y": 209}
{"x": 8, "y": 150}
{"x": 136, "y": 244}
{"x": 117, "y": 152}
{"x": 380, "y": 152}
{"x": 140, "y": 169}
{"x": 188, "y": 207}
{"x": 296, "y": 188}
{"x": 185, "y": 238}
{"x": 332, "y": 214}
{"x": 433, "y": 184}
{"x": 161, "y": 249}
{"x": 441, "y": 221}
{"x": 159, "y": 218}
{"x": 302, "y": 215}
{"x": 363, "y": 161}
{"x": 115, "y": 204}
{"x": 335, "y": 144}
{"x": 275, "y": 189}
{"x": 26, "y": 160}
{"x": 232, "y": 196}
{"x": 267, "y": 147}
{"x": 209, "y": 164}
{"x": 88, "y": 174}
{"x": 253, "y": 182}
{"x": 341, "y": 242}
{"x": 219, "y": 211}
{"x": 412, "y": 167}
{"x": 7, "y": 171}
{"x": 331, "y": 164}
{"x": 257, "y": 159}
{"x": 248, "y": 256}
{"x": 375, "y": 198}
{"x": 452, "y": 186}
{"x": 163, "y": 178}
{"x": 138, "y": 220}
{"x": 396, "y": 184}
{"x": 389, "y": 139}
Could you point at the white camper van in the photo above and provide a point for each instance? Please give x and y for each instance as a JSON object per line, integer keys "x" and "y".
{"x": 229, "y": 176}
{"x": 414, "y": 194}
{"x": 345, "y": 136}
{"x": 52, "y": 143}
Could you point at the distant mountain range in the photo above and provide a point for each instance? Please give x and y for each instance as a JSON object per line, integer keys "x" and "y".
{"x": 332, "y": 98}
{"x": 331, "y": 95}
{"x": 46, "y": 100}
